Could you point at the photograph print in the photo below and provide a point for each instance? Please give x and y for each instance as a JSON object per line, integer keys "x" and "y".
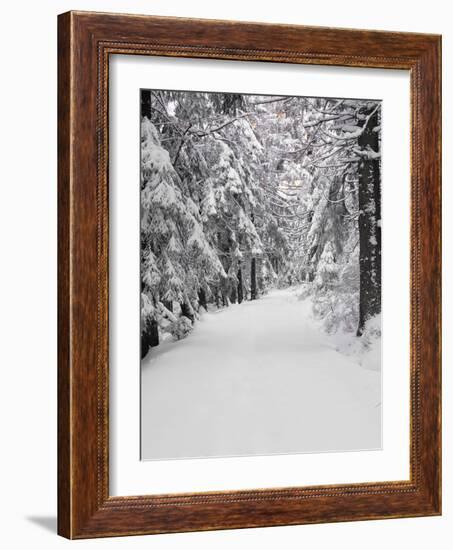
{"x": 260, "y": 274}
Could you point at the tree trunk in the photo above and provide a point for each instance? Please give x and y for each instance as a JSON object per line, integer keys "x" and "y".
{"x": 146, "y": 103}
{"x": 253, "y": 279}
{"x": 240, "y": 289}
{"x": 202, "y": 299}
{"x": 369, "y": 225}
{"x": 150, "y": 337}
{"x": 186, "y": 311}
{"x": 169, "y": 305}
{"x": 253, "y": 271}
{"x": 233, "y": 294}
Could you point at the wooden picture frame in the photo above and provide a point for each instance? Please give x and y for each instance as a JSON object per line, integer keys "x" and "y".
{"x": 85, "y": 42}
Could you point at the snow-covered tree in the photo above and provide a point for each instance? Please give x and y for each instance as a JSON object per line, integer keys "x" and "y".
{"x": 241, "y": 193}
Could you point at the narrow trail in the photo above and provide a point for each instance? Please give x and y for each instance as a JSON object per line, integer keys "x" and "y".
{"x": 256, "y": 378}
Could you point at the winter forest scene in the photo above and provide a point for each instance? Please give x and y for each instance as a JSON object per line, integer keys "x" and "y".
{"x": 260, "y": 274}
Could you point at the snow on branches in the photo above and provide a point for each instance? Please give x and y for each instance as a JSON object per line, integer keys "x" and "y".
{"x": 240, "y": 193}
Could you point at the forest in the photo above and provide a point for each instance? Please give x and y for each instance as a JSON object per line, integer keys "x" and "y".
{"x": 242, "y": 194}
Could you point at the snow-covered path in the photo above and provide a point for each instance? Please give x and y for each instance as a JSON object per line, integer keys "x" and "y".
{"x": 256, "y": 378}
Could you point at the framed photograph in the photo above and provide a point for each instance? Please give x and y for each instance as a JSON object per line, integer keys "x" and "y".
{"x": 249, "y": 275}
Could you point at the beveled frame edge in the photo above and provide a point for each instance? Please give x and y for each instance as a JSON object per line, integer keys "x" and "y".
{"x": 85, "y": 41}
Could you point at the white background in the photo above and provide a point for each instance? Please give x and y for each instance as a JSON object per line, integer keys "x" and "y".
{"x": 129, "y": 476}
{"x": 28, "y": 274}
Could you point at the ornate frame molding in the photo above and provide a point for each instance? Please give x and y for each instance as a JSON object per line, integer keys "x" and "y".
{"x": 86, "y": 40}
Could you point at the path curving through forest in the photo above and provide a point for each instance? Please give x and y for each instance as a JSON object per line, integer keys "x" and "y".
{"x": 256, "y": 378}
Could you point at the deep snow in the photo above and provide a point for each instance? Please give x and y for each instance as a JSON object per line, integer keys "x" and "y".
{"x": 257, "y": 378}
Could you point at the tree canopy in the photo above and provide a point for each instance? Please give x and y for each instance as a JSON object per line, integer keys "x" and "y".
{"x": 243, "y": 192}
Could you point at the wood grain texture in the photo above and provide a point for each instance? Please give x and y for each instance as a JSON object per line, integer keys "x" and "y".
{"x": 85, "y": 42}
{"x": 64, "y": 368}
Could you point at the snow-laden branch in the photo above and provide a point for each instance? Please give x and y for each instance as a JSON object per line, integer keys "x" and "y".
{"x": 181, "y": 144}
{"x": 204, "y": 133}
{"x": 354, "y": 134}
{"x": 367, "y": 153}
{"x": 328, "y": 155}
{"x": 328, "y": 111}
{"x": 283, "y": 99}
{"x": 329, "y": 119}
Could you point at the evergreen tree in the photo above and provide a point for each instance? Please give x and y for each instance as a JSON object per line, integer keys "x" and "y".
{"x": 240, "y": 193}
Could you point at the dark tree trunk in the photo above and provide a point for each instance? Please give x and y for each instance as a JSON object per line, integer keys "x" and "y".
{"x": 369, "y": 225}
{"x": 253, "y": 271}
{"x": 233, "y": 294}
{"x": 217, "y": 298}
{"x": 150, "y": 336}
{"x": 240, "y": 289}
{"x": 253, "y": 279}
{"x": 186, "y": 311}
{"x": 202, "y": 299}
{"x": 146, "y": 103}
{"x": 378, "y": 231}
{"x": 169, "y": 305}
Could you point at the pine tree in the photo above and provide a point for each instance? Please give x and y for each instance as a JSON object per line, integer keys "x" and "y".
{"x": 240, "y": 193}
{"x": 370, "y": 216}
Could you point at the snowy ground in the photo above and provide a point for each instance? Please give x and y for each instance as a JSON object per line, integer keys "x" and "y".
{"x": 257, "y": 378}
